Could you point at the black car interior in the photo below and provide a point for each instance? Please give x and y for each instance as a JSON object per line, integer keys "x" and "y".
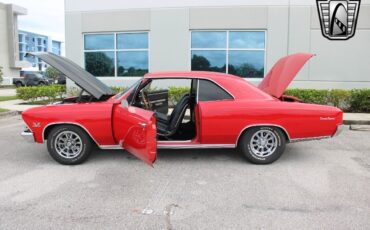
{"x": 167, "y": 126}
{"x": 175, "y": 121}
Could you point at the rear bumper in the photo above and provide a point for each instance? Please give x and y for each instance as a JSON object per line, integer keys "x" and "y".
{"x": 28, "y": 135}
{"x": 340, "y": 129}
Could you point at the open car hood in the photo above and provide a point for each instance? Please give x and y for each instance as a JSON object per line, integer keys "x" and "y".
{"x": 283, "y": 73}
{"x": 81, "y": 77}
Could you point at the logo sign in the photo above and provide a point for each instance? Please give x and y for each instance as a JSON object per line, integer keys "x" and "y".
{"x": 36, "y": 124}
{"x": 338, "y": 18}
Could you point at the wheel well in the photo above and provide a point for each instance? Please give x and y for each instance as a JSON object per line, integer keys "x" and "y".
{"x": 273, "y": 126}
{"x": 50, "y": 127}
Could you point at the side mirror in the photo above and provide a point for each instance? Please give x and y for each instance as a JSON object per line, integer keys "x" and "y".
{"x": 124, "y": 103}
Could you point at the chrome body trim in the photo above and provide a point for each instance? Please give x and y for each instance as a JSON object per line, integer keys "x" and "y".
{"x": 197, "y": 146}
{"x": 257, "y": 125}
{"x": 340, "y": 128}
{"x": 111, "y": 147}
{"x": 197, "y": 96}
{"x": 179, "y": 146}
{"x": 28, "y": 136}
{"x": 216, "y": 83}
{"x": 308, "y": 139}
{"x": 196, "y": 78}
{"x": 68, "y": 123}
{"x": 164, "y": 142}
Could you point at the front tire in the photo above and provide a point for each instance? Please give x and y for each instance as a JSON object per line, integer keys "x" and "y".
{"x": 262, "y": 145}
{"x": 68, "y": 144}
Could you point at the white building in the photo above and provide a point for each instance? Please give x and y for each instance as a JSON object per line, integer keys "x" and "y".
{"x": 9, "y": 53}
{"x": 35, "y": 42}
{"x": 117, "y": 40}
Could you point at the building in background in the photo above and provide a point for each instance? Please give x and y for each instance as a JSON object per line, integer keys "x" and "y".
{"x": 119, "y": 41}
{"x": 33, "y": 42}
{"x": 9, "y": 54}
{"x": 56, "y": 47}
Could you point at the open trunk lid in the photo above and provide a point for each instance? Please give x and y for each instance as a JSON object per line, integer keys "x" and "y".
{"x": 81, "y": 77}
{"x": 283, "y": 73}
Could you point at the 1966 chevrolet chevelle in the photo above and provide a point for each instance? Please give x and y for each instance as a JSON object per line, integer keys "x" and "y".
{"x": 215, "y": 110}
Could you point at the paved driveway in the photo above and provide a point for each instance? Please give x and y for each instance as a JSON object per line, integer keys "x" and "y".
{"x": 314, "y": 185}
{"x": 7, "y": 92}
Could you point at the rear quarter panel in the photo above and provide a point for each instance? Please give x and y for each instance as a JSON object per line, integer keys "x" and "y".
{"x": 223, "y": 121}
{"x": 94, "y": 117}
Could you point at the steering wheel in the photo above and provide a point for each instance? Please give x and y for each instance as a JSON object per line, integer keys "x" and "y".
{"x": 145, "y": 100}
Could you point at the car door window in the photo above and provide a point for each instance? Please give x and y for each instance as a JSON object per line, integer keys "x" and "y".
{"x": 209, "y": 91}
{"x": 162, "y": 95}
{"x": 30, "y": 79}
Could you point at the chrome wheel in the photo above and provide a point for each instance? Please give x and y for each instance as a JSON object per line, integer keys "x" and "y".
{"x": 263, "y": 143}
{"x": 68, "y": 144}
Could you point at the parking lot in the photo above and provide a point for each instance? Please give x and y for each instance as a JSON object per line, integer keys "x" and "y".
{"x": 314, "y": 185}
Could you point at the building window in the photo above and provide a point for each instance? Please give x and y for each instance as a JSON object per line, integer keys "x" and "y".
{"x": 117, "y": 54}
{"x": 241, "y": 53}
{"x": 39, "y": 41}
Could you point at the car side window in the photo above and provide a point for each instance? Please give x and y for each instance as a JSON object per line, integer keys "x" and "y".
{"x": 209, "y": 91}
{"x": 31, "y": 76}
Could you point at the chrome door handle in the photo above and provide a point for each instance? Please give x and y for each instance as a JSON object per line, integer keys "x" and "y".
{"x": 143, "y": 125}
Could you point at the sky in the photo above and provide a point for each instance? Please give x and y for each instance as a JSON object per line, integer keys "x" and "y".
{"x": 44, "y": 16}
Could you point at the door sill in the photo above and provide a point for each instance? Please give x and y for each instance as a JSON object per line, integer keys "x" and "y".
{"x": 194, "y": 146}
{"x": 177, "y": 145}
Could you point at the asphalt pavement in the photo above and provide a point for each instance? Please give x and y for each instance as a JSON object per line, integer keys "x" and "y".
{"x": 314, "y": 185}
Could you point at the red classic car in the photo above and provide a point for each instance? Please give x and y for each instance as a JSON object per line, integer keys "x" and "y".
{"x": 177, "y": 110}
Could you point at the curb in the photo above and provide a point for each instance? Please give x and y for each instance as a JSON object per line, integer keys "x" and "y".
{"x": 10, "y": 113}
{"x": 359, "y": 127}
{"x": 356, "y": 122}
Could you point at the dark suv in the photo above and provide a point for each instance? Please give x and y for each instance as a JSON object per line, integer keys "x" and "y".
{"x": 31, "y": 79}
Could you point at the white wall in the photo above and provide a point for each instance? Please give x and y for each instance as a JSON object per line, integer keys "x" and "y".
{"x": 9, "y": 55}
{"x": 93, "y": 5}
{"x": 338, "y": 64}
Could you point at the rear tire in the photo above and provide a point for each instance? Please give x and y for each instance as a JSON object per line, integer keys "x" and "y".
{"x": 18, "y": 84}
{"x": 68, "y": 144}
{"x": 262, "y": 145}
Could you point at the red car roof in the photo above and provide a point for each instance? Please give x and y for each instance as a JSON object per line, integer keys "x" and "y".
{"x": 188, "y": 74}
{"x": 237, "y": 86}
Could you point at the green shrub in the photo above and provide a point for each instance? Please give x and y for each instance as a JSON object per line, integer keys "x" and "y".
{"x": 33, "y": 93}
{"x": 356, "y": 100}
{"x": 340, "y": 98}
{"x": 175, "y": 93}
{"x": 117, "y": 89}
{"x": 360, "y": 100}
{"x": 315, "y": 96}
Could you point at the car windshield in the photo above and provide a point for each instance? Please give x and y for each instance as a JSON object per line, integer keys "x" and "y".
{"x": 128, "y": 88}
